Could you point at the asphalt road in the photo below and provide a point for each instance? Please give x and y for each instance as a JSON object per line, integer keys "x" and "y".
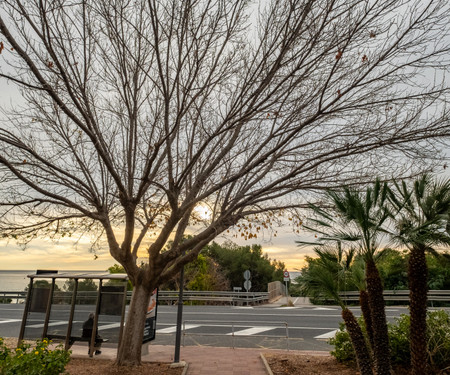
{"x": 300, "y": 328}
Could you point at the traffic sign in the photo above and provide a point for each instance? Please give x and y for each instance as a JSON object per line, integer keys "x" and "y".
{"x": 247, "y": 285}
{"x": 286, "y": 275}
{"x": 246, "y": 274}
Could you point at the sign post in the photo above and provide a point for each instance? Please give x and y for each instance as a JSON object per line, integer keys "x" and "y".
{"x": 286, "y": 278}
{"x": 247, "y": 282}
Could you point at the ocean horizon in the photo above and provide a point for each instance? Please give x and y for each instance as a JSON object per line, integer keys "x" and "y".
{"x": 17, "y": 280}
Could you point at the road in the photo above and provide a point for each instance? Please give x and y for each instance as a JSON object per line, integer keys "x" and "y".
{"x": 308, "y": 327}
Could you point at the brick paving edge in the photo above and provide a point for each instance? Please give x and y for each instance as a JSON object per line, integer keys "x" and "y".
{"x": 266, "y": 365}
{"x": 185, "y": 370}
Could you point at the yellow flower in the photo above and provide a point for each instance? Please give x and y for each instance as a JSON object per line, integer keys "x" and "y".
{"x": 44, "y": 341}
{"x": 18, "y": 350}
{"x": 36, "y": 352}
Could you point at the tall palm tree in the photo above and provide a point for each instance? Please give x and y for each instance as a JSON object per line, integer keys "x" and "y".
{"x": 324, "y": 278}
{"x": 361, "y": 217}
{"x": 422, "y": 224}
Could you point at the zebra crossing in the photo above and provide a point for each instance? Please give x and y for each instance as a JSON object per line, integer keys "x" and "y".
{"x": 246, "y": 330}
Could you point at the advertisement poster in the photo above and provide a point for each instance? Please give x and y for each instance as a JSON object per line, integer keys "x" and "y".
{"x": 150, "y": 318}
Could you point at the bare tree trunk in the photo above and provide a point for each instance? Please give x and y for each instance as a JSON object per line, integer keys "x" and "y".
{"x": 418, "y": 288}
{"x": 358, "y": 341}
{"x": 381, "y": 351}
{"x": 367, "y": 315}
{"x": 129, "y": 353}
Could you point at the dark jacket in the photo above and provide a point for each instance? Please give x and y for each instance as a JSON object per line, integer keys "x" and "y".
{"x": 88, "y": 326}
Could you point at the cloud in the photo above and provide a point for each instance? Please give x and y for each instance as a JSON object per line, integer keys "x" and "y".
{"x": 75, "y": 254}
{"x": 62, "y": 255}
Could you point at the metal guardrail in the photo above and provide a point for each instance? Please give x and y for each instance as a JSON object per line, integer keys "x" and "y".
{"x": 234, "y": 325}
{"x": 163, "y": 295}
{"x": 400, "y": 295}
{"x": 238, "y": 297}
{"x": 18, "y": 296}
{"x": 217, "y": 296}
{"x": 234, "y": 298}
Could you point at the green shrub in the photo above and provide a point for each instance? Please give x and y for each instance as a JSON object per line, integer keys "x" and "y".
{"x": 39, "y": 360}
{"x": 399, "y": 340}
{"x": 343, "y": 348}
{"x": 438, "y": 325}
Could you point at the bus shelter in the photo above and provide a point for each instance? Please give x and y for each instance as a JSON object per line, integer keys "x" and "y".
{"x": 58, "y": 303}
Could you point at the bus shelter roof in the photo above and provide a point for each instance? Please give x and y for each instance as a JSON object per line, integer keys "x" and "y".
{"x": 78, "y": 275}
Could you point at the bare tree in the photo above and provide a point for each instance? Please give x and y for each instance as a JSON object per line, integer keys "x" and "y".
{"x": 137, "y": 113}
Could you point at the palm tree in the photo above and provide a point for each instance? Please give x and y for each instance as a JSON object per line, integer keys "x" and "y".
{"x": 359, "y": 279}
{"x": 422, "y": 224}
{"x": 361, "y": 218}
{"x": 325, "y": 278}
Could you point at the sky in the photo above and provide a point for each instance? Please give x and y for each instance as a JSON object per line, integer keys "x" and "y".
{"x": 67, "y": 254}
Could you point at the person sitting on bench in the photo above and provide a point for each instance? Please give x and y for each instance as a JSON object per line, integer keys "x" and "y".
{"x": 88, "y": 326}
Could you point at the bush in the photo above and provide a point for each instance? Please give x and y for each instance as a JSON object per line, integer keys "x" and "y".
{"x": 343, "y": 348}
{"x": 39, "y": 360}
{"x": 438, "y": 325}
{"x": 399, "y": 341}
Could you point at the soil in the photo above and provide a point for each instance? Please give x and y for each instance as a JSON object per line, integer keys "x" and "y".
{"x": 291, "y": 364}
{"x": 280, "y": 364}
{"x": 78, "y": 366}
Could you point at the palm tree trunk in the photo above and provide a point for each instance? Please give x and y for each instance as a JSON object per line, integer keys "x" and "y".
{"x": 418, "y": 288}
{"x": 358, "y": 342}
{"x": 365, "y": 309}
{"x": 381, "y": 350}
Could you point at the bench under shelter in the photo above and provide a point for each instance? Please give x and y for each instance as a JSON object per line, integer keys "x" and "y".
{"x": 58, "y": 303}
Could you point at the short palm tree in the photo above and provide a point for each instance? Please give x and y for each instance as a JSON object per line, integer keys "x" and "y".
{"x": 359, "y": 280}
{"x": 422, "y": 224}
{"x": 324, "y": 278}
{"x": 361, "y": 217}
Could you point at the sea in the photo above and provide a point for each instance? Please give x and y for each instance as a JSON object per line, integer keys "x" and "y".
{"x": 14, "y": 281}
{"x": 17, "y": 281}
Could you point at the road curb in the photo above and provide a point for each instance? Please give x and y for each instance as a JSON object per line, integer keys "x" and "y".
{"x": 266, "y": 364}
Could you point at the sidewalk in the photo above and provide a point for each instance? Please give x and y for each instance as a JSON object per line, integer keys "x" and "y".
{"x": 203, "y": 360}
{"x": 207, "y": 360}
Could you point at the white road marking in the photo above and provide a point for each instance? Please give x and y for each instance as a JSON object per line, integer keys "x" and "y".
{"x": 324, "y": 308}
{"x": 312, "y": 328}
{"x": 252, "y": 331}
{"x": 174, "y": 328}
{"x": 327, "y": 335}
{"x": 287, "y": 308}
{"x": 49, "y": 324}
{"x": 10, "y": 321}
{"x": 108, "y": 326}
